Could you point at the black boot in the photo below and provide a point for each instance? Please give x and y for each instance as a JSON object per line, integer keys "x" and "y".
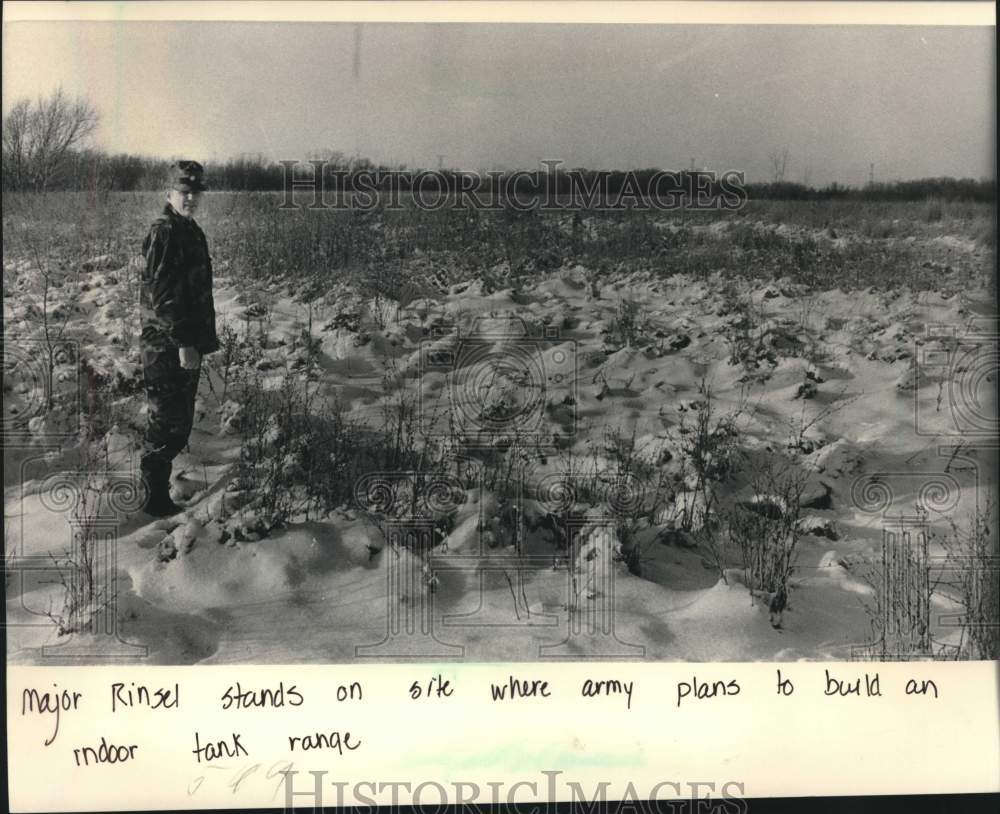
{"x": 158, "y": 502}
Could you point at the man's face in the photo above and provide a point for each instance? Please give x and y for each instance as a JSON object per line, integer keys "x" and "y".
{"x": 186, "y": 203}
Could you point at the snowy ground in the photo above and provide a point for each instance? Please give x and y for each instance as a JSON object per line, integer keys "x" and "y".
{"x": 838, "y": 381}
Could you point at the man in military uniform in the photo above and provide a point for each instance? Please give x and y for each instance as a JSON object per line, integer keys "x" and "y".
{"x": 178, "y": 328}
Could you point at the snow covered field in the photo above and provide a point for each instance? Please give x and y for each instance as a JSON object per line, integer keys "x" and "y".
{"x": 545, "y": 457}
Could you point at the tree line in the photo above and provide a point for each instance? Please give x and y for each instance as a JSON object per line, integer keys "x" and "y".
{"x": 44, "y": 149}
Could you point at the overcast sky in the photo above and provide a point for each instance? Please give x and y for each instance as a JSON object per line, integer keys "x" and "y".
{"x": 915, "y": 101}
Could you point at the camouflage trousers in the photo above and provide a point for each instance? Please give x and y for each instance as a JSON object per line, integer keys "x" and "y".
{"x": 170, "y": 395}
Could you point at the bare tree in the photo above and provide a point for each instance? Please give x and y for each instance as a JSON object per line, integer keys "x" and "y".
{"x": 15, "y": 126}
{"x": 40, "y": 279}
{"x": 779, "y": 162}
{"x": 37, "y": 138}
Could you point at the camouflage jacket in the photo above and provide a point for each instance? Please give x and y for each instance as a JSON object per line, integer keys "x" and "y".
{"x": 176, "y": 305}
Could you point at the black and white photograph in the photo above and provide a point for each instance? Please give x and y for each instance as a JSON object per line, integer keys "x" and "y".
{"x": 394, "y": 342}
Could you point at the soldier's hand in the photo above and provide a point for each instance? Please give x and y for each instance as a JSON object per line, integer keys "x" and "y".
{"x": 190, "y": 358}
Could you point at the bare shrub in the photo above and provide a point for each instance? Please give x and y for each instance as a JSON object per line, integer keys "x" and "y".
{"x": 898, "y": 611}
{"x": 709, "y": 456}
{"x": 630, "y": 326}
{"x": 765, "y": 531}
{"x": 905, "y": 581}
{"x": 972, "y": 573}
{"x": 709, "y": 453}
{"x": 747, "y": 332}
{"x": 96, "y": 491}
{"x": 293, "y": 450}
{"x": 635, "y": 492}
{"x": 300, "y": 454}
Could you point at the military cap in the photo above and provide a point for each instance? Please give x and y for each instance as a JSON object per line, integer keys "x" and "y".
{"x": 187, "y": 176}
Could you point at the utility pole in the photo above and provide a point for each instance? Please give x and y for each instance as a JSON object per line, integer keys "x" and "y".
{"x": 440, "y": 161}
{"x": 871, "y": 174}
